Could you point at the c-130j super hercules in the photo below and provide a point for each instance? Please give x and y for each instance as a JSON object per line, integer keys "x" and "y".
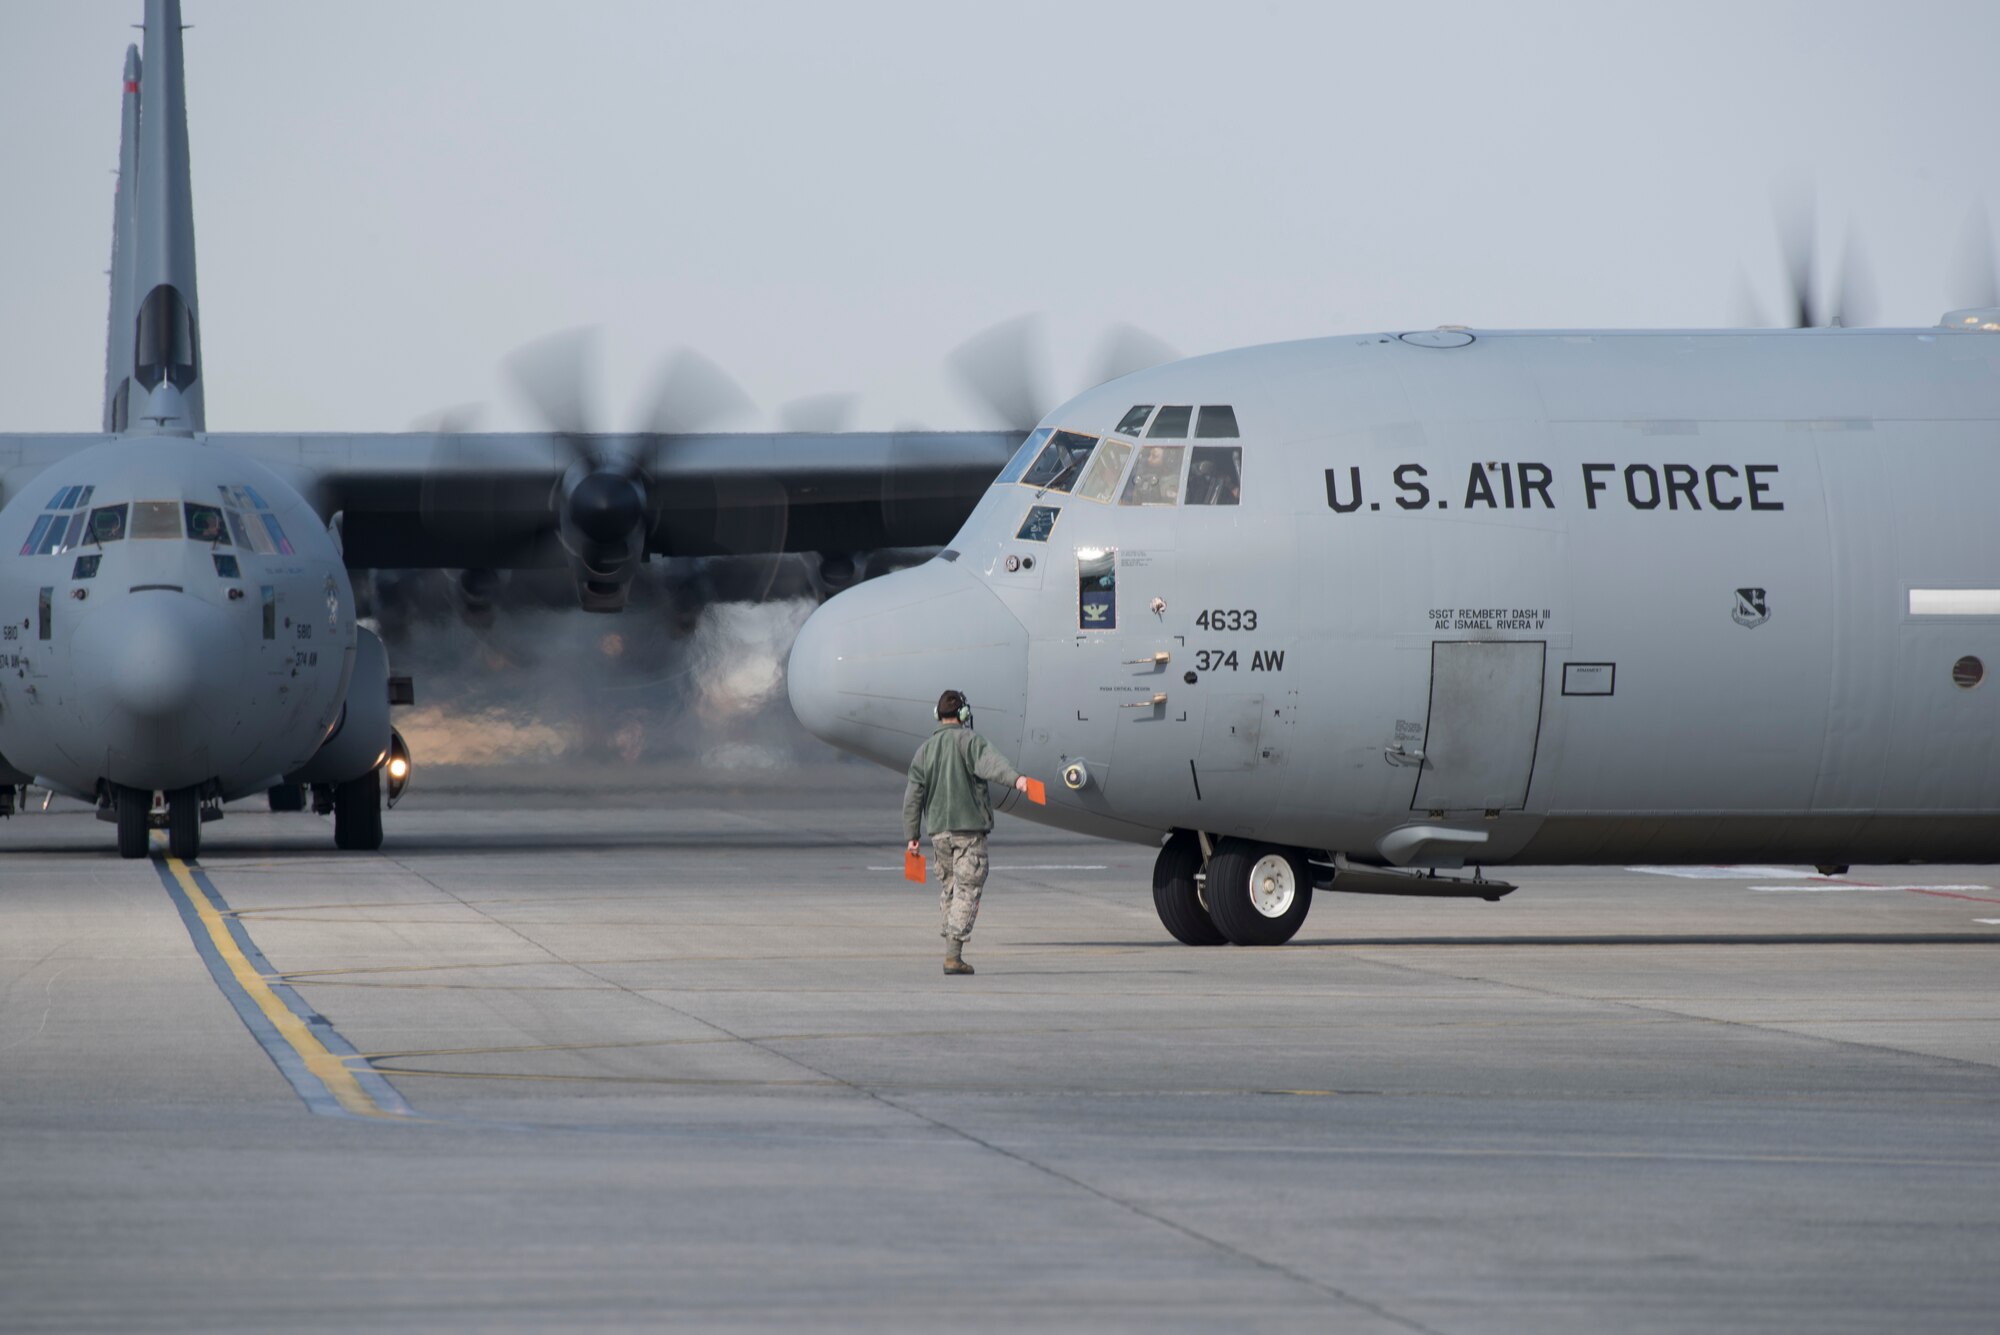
{"x": 177, "y": 622}
{"x": 1316, "y": 613}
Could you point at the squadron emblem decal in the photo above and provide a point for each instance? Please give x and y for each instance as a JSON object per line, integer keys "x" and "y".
{"x": 1751, "y": 608}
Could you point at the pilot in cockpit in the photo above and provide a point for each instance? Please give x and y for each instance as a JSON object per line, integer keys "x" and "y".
{"x": 205, "y": 524}
{"x": 107, "y": 524}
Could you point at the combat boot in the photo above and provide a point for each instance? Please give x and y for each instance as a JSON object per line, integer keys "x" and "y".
{"x": 953, "y": 961}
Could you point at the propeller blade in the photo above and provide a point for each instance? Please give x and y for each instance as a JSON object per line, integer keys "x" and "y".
{"x": 1796, "y": 241}
{"x": 825, "y": 414}
{"x": 691, "y": 393}
{"x": 1855, "y": 305}
{"x": 1000, "y": 366}
{"x": 1972, "y": 281}
{"x": 471, "y": 511}
{"x": 553, "y": 375}
{"x": 455, "y": 420}
{"x": 1127, "y": 348}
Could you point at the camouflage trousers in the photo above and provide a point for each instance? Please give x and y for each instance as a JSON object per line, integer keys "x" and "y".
{"x": 961, "y": 873}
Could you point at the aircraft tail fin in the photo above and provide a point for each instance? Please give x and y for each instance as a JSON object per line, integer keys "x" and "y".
{"x": 164, "y": 325}
{"x": 118, "y": 345}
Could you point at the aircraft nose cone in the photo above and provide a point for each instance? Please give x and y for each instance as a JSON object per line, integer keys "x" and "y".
{"x": 154, "y": 666}
{"x": 867, "y": 668}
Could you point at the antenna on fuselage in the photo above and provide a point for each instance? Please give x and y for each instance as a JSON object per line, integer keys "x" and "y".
{"x": 124, "y": 208}
{"x": 163, "y": 325}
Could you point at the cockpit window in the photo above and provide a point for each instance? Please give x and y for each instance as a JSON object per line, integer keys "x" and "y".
{"x": 1218, "y": 422}
{"x": 276, "y": 531}
{"x": 107, "y": 523}
{"x": 1100, "y": 480}
{"x": 1096, "y": 588}
{"x": 156, "y": 519}
{"x": 1060, "y": 461}
{"x": 242, "y": 532}
{"x": 1024, "y": 456}
{"x": 59, "y": 530}
{"x": 86, "y": 566}
{"x": 205, "y": 524}
{"x": 1156, "y": 478}
{"x": 1216, "y": 476}
{"x": 252, "y": 523}
{"x": 1040, "y": 521}
{"x": 1133, "y": 422}
{"x": 225, "y": 566}
{"x": 1171, "y": 424}
{"x": 36, "y": 534}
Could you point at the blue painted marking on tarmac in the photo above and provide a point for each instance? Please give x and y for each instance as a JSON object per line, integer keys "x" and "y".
{"x": 290, "y": 1063}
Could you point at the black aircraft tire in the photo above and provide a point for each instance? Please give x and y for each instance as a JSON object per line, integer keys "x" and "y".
{"x": 184, "y": 824}
{"x": 357, "y": 813}
{"x": 1242, "y": 875}
{"x": 134, "y": 812}
{"x": 1177, "y": 895}
{"x": 287, "y": 797}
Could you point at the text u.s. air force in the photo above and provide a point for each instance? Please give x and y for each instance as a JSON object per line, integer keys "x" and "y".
{"x": 1532, "y": 486}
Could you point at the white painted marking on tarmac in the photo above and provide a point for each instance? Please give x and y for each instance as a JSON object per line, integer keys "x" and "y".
{"x": 1990, "y": 922}
{"x": 1725, "y": 873}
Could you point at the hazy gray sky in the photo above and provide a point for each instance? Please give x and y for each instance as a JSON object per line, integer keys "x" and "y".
{"x": 391, "y": 196}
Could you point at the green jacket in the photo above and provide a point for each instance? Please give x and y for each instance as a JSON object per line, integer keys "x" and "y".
{"x": 945, "y": 789}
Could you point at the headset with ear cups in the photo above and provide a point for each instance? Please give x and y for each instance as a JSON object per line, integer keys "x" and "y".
{"x": 963, "y": 714}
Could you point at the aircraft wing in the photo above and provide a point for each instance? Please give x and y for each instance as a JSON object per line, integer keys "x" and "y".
{"x": 495, "y": 500}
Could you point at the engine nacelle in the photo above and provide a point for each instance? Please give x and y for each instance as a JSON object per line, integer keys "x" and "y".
{"x": 601, "y": 519}
{"x": 359, "y": 742}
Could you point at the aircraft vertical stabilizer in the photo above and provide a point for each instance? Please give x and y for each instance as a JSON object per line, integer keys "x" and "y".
{"x": 118, "y": 344}
{"x": 166, "y": 339}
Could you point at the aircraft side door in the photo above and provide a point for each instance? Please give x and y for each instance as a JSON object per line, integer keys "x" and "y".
{"x": 1483, "y": 727}
{"x": 1158, "y": 722}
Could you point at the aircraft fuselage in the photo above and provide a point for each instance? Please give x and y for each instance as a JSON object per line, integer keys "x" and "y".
{"x": 1484, "y": 599}
{"x": 175, "y": 617}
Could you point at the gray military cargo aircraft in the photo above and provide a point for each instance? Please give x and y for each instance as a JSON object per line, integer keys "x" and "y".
{"x": 177, "y": 622}
{"x": 1342, "y": 611}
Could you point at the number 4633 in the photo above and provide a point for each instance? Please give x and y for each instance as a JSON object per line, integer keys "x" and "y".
{"x": 1227, "y": 618}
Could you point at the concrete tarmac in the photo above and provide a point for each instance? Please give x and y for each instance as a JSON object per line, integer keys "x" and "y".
{"x": 622, "y": 1049}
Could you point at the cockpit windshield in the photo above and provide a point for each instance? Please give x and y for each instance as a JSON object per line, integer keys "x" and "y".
{"x": 1156, "y": 478}
{"x": 1024, "y": 456}
{"x": 205, "y": 524}
{"x": 156, "y": 519}
{"x": 107, "y": 524}
{"x": 1060, "y": 461}
{"x": 1100, "y": 480}
{"x": 1216, "y": 476}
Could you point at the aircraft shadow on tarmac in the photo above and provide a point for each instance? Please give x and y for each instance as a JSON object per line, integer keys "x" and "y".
{"x": 1611, "y": 939}
{"x": 500, "y": 842}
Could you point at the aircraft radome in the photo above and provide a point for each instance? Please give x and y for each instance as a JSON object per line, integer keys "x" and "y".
{"x": 1315, "y": 613}
{"x": 178, "y": 626}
